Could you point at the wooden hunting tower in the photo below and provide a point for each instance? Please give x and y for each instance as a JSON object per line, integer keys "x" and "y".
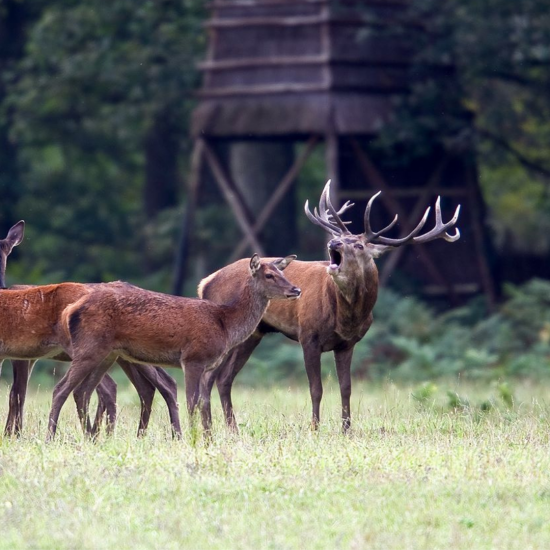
{"x": 320, "y": 71}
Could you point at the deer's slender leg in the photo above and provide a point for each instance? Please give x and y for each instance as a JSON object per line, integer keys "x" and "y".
{"x": 80, "y": 369}
{"x": 206, "y": 382}
{"x": 106, "y": 393}
{"x": 343, "y": 370}
{"x": 145, "y": 389}
{"x": 312, "y": 358}
{"x": 85, "y": 388}
{"x": 168, "y": 388}
{"x": 21, "y": 373}
{"x": 231, "y": 366}
{"x": 192, "y": 389}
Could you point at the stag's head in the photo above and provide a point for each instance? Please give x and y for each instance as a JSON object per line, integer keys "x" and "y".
{"x": 350, "y": 254}
{"x": 269, "y": 276}
{"x": 13, "y": 238}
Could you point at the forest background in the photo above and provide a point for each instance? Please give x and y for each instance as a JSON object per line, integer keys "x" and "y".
{"x": 95, "y": 100}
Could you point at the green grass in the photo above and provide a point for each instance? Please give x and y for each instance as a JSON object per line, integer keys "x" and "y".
{"x": 421, "y": 469}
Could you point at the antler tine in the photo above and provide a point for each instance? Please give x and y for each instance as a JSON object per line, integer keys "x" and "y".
{"x": 318, "y": 220}
{"x": 327, "y": 217}
{"x": 439, "y": 231}
{"x": 326, "y": 205}
{"x": 346, "y": 206}
{"x": 369, "y": 233}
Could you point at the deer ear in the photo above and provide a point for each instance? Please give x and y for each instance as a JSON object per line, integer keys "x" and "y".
{"x": 16, "y": 233}
{"x": 281, "y": 263}
{"x": 255, "y": 264}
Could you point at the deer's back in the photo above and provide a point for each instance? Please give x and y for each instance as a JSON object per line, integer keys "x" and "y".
{"x": 30, "y": 319}
{"x": 146, "y": 326}
{"x": 315, "y": 308}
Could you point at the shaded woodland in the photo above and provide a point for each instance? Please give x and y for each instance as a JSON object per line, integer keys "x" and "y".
{"x": 95, "y": 143}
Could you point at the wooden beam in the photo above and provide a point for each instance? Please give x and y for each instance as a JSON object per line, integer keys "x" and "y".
{"x": 233, "y": 198}
{"x": 409, "y": 192}
{"x": 294, "y": 88}
{"x": 475, "y": 201}
{"x": 248, "y": 3}
{"x": 374, "y": 176}
{"x": 409, "y": 225}
{"x": 299, "y": 21}
{"x": 278, "y": 194}
{"x": 188, "y": 226}
{"x": 289, "y": 61}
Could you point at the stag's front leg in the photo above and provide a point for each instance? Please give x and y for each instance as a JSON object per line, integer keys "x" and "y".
{"x": 312, "y": 358}
{"x": 343, "y": 370}
{"x": 21, "y": 374}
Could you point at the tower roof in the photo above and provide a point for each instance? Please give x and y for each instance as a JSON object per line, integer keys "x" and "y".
{"x": 293, "y": 67}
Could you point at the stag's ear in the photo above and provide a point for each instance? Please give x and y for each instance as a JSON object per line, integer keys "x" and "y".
{"x": 255, "y": 264}
{"x": 16, "y": 233}
{"x": 281, "y": 263}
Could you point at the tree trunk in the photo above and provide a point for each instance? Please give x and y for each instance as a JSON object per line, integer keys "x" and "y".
{"x": 257, "y": 167}
{"x": 161, "y": 168}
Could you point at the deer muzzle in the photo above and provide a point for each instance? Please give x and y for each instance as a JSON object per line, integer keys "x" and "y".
{"x": 294, "y": 293}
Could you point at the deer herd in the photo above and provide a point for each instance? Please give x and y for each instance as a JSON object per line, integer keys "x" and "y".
{"x": 323, "y": 305}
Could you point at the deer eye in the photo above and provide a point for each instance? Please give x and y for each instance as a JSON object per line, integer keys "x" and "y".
{"x": 358, "y": 246}
{"x": 269, "y": 276}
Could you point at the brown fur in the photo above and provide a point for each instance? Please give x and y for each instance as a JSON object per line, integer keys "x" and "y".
{"x": 170, "y": 331}
{"x": 335, "y": 310}
{"x": 328, "y": 317}
{"x": 40, "y": 309}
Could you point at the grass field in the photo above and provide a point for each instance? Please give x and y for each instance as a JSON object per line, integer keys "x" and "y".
{"x": 427, "y": 472}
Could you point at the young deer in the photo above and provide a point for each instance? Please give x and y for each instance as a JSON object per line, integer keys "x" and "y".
{"x": 145, "y": 380}
{"x": 335, "y": 310}
{"x": 169, "y": 331}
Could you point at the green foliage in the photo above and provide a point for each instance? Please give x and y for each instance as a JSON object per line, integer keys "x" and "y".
{"x": 95, "y": 83}
{"x": 425, "y": 392}
{"x": 410, "y": 341}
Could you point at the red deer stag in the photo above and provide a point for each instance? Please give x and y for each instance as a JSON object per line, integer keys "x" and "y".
{"x": 169, "y": 331}
{"x": 144, "y": 380}
{"x": 335, "y": 310}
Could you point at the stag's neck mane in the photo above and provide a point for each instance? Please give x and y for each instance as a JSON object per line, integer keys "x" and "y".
{"x": 354, "y": 297}
{"x": 243, "y": 314}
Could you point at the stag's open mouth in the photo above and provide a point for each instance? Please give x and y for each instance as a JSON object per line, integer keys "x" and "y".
{"x": 335, "y": 260}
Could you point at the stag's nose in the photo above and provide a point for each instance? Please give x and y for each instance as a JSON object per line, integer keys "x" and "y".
{"x": 335, "y": 244}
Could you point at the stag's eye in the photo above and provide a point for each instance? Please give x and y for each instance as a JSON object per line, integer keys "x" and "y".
{"x": 358, "y": 246}
{"x": 269, "y": 276}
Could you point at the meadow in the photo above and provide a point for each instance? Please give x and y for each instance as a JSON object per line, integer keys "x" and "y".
{"x": 447, "y": 464}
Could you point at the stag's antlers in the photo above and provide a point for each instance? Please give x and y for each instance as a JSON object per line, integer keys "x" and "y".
{"x": 327, "y": 213}
{"x": 329, "y": 219}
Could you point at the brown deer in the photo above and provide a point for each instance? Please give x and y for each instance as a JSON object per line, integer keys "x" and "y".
{"x": 169, "y": 331}
{"x": 145, "y": 380}
{"x": 335, "y": 310}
